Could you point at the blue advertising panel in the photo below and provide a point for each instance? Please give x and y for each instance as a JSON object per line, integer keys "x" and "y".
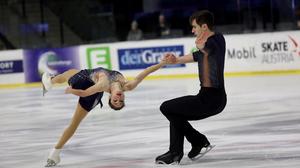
{"x": 140, "y": 58}
{"x": 54, "y": 61}
{"x": 12, "y": 66}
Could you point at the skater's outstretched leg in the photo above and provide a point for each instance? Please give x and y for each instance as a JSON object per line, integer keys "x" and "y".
{"x": 64, "y": 77}
{"x": 79, "y": 115}
{"x": 49, "y": 80}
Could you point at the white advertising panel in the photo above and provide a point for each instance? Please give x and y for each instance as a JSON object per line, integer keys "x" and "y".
{"x": 11, "y": 67}
{"x": 263, "y": 52}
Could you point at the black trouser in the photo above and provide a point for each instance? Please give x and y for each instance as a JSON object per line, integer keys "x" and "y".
{"x": 208, "y": 102}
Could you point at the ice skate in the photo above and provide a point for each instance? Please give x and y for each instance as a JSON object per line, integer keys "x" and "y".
{"x": 46, "y": 81}
{"x": 169, "y": 158}
{"x": 53, "y": 158}
{"x": 195, "y": 155}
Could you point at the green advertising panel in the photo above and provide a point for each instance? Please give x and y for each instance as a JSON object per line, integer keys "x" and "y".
{"x": 98, "y": 57}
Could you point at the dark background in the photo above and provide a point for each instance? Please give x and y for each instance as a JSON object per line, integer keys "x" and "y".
{"x": 60, "y": 23}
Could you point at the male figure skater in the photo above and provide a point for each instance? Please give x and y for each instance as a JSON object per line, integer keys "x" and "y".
{"x": 211, "y": 98}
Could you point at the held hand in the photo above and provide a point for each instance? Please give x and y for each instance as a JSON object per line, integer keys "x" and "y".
{"x": 169, "y": 58}
{"x": 68, "y": 90}
{"x": 163, "y": 62}
{"x": 201, "y": 40}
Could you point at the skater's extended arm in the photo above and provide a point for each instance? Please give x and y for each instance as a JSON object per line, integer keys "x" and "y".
{"x": 130, "y": 85}
{"x": 172, "y": 59}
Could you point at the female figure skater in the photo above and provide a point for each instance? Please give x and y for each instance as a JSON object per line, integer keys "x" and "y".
{"x": 89, "y": 85}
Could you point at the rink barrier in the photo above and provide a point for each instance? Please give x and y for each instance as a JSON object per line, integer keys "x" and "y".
{"x": 20, "y": 85}
{"x": 162, "y": 77}
{"x": 262, "y": 73}
{"x": 246, "y": 55}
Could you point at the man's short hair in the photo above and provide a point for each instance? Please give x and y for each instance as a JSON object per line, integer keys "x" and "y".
{"x": 203, "y": 17}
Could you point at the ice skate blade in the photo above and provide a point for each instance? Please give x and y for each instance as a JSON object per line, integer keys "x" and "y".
{"x": 46, "y": 82}
{"x": 50, "y": 163}
{"x": 44, "y": 90}
{"x": 201, "y": 154}
{"x": 165, "y": 164}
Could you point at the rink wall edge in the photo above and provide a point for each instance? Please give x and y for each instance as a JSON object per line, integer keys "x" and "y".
{"x": 276, "y": 53}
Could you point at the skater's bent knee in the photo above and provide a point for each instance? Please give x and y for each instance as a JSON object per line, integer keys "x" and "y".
{"x": 164, "y": 107}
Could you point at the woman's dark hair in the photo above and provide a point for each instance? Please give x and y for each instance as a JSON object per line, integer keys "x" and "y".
{"x": 203, "y": 17}
{"x": 114, "y": 107}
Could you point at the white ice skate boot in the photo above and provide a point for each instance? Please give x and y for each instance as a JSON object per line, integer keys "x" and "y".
{"x": 53, "y": 158}
{"x": 46, "y": 81}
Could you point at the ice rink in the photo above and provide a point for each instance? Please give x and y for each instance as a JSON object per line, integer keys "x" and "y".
{"x": 259, "y": 128}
